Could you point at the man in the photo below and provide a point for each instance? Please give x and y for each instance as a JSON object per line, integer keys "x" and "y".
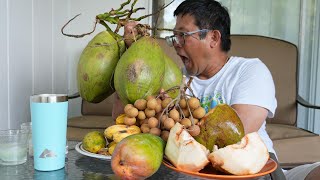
{"x": 202, "y": 40}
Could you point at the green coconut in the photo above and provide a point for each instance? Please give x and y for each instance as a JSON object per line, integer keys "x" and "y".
{"x": 221, "y": 126}
{"x": 172, "y": 77}
{"x": 140, "y": 71}
{"x": 96, "y": 67}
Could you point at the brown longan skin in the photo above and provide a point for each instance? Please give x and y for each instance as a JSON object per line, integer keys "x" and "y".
{"x": 194, "y": 130}
{"x": 150, "y": 112}
{"x": 153, "y": 122}
{"x": 126, "y": 107}
{"x": 168, "y": 123}
{"x": 174, "y": 114}
{"x": 186, "y": 112}
{"x": 141, "y": 115}
{"x": 145, "y": 128}
{"x": 129, "y": 120}
{"x": 152, "y": 103}
{"x": 186, "y": 122}
{"x": 158, "y": 108}
{"x": 165, "y": 135}
{"x": 199, "y": 113}
{"x": 183, "y": 103}
{"x": 165, "y": 102}
{"x": 132, "y": 112}
{"x": 193, "y": 103}
{"x": 140, "y": 104}
{"x": 155, "y": 131}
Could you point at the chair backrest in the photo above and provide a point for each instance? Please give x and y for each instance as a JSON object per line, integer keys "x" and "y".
{"x": 281, "y": 57}
{"x": 104, "y": 108}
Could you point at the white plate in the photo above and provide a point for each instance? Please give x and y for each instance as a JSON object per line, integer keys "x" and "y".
{"x": 80, "y": 149}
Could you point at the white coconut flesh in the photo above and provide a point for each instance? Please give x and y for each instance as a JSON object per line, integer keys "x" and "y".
{"x": 247, "y": 157}
{"x": 184, "y": 152}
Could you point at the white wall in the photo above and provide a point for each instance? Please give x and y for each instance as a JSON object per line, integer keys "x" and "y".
{"x": 36, "y": 58}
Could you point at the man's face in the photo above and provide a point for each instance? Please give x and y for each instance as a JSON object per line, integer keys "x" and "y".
{"x": 194, "y": 51}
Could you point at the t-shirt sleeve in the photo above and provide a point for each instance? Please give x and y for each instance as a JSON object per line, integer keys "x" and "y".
{"x": 255, "y": 86}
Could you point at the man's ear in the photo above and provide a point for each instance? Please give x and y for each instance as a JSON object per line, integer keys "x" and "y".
{"x": 215, "y": 38}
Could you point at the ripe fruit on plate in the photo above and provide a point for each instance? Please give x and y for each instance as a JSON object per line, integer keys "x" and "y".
{"x": 93, "y": 141}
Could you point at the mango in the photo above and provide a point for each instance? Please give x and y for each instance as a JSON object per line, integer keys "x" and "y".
{"x": 93, "y": 141}
{"x": 137, "y": 156}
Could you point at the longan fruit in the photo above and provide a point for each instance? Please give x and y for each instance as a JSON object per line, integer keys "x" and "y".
{"x": 155, "y": 131}
{"x": 153, "y": 122}
{"x": 159, "y": 101}
{"x": 143, "y": 121}
{"x": 158, "y": 108}
{"x": 132, "y": 112}
{"x": 194, "y": 130}
{"x": 141, "y": 115}
{"x": 152, "y": 103}
{"x": 168, "y": 123}
{"x": 186, "y": 122}
{"x": 129, "y": 120}
{"x": 126, "y": 107}
{"x": 163, "y": 118}
{"x": 145, "y": 128}
{"x": 149, "y": 112}
{"x": 193, "y": 103}
{"x": 140, "y": 104}
{"x": 150, "y": 97}
{"x": 174, "y": 114}
{"x": 165, "y": 135}
{"x": 165, "y": 102}
{"x": 183, "y": 103}
{"x": 186, "y": 112}
{"x": 195, "y": 121}
{"x": 199, "y": 112}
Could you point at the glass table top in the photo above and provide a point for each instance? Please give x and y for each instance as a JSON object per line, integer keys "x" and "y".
{"x": 77, "y": 166}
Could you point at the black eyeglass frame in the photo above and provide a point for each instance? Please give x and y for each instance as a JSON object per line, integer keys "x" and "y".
{"x": 174, "y": 39}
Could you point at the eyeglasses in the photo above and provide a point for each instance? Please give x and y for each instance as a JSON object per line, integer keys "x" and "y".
{"x": 179, "y": 38}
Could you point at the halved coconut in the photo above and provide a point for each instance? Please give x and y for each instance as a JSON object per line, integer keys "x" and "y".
{"x": 248, "y": 156}
{"x": 184, "y": 151}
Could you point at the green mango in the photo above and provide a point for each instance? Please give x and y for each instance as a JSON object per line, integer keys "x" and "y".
{"x": 221, "y": 126}
{"x": 140, "y": 71}
{"x": 96, "y": 66}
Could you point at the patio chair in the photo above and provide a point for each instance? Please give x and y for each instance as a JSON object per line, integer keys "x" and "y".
{"x": 294, "y": 146}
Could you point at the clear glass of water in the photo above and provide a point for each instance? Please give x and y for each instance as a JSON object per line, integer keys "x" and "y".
{"x": 13, "y": 146}
{"x": 28, "y": 126}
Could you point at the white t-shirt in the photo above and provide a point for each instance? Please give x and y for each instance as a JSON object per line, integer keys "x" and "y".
{"x": 240, "y": 81}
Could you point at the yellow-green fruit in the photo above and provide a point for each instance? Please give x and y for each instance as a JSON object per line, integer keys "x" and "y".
{"x": 140, "y": 71}
{"x": 137, "y": 156}
{"x": 111, "y": 148}
{"x": 118, "y": 132}
{"x": 172, "y": 77}
{"x": 221, "y": 126}
{"x": 93, "y": 141}
{"x": 96, "y": 66}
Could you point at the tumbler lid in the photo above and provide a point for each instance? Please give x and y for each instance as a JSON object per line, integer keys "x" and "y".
{"x": 49, "y": 98}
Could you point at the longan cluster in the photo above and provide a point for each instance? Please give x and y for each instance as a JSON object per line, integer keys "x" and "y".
{"x": 156, "y": 116}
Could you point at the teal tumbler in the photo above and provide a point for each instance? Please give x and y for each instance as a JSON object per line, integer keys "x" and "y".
{"x": 49, "y": 130}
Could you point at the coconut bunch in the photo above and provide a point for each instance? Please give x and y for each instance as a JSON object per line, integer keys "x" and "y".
{"x": 106, "y": 66}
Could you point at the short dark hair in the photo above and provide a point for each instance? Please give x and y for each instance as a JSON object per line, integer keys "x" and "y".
{"x": 208, "y": 14}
